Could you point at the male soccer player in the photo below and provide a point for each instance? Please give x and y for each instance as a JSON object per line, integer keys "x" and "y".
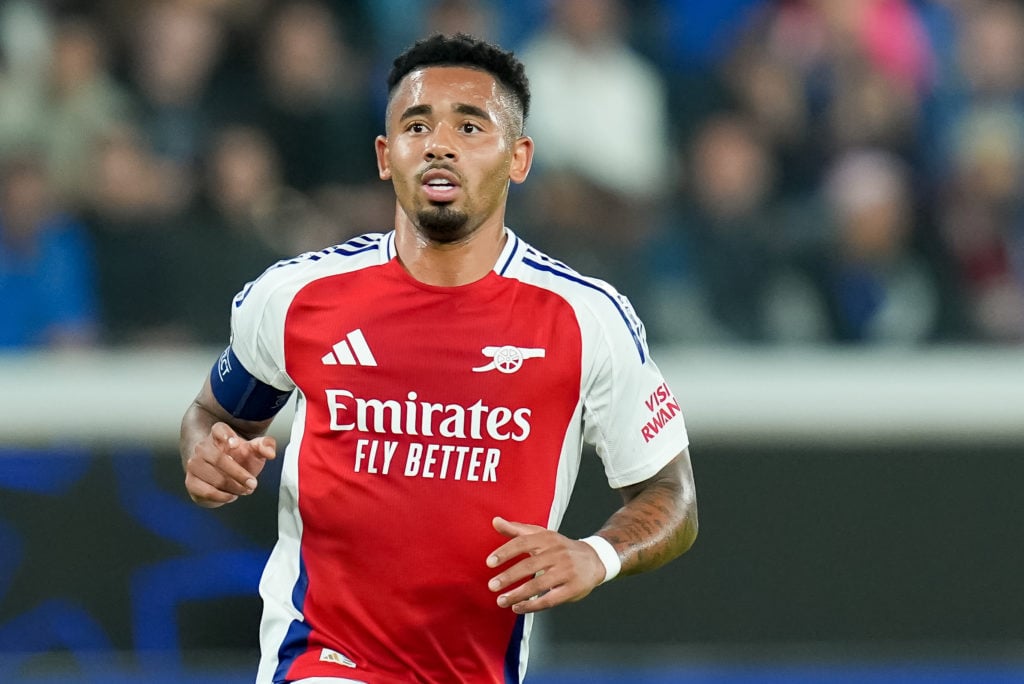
{"x": 447, "y": 375}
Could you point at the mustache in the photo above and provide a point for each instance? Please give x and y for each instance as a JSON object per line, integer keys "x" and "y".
{"x": 439, "y": 166}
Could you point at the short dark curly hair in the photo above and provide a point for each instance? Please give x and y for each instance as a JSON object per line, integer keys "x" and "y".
{"x": 464, "y": 50}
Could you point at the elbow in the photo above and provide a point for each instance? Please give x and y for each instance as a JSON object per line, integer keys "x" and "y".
{"x": 690, "y": 532}
{"x": 689, "y": 528}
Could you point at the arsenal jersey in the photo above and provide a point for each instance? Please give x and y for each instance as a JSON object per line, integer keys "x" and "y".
{"x": 422, "y": 413}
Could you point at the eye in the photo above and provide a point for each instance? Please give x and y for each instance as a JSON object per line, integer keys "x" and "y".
{"x": 470, "y": 127}
{"x": 416, "y": 128}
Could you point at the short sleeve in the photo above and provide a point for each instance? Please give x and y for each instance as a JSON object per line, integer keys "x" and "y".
{"x": 258, "y": 314}
{"x": 630, "y": 414}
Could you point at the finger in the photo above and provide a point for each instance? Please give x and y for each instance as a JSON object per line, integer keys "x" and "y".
{"x": 254, "y": 454}
{"x": 205, "y": 494}
{"x": 222, "y": 433}
{"x": 240, "y": 449}
{"x": 548, "y": 599}
{"x": 538, "y": 586}
{"x": 525, "y": 538}
{"x": 251, "y": 454}
{"x": 508, "y": 551}
{"x": 227, "y": 466}
{"x": 513, "y": 529}
{"x": 216, "y": 477}
{"x": 547, "y": 589}
{"x": 528, "y": 567}
{"x": 267, "y": 447}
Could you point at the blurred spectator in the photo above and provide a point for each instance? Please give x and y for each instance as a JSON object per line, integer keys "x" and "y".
{"x": 599, "y": 108}
{"x": 772, "y": 94}
{"x": 62, "y": 102}
{"x": 599, "y": 119}
{"x": 277, "y": 102}
{"x": 47, "y": 291}
{"x": 976, "y": 130}
{"x": 314, "y": 104}
{"x": 689, "y": 42}
{"x": 244, "y": 221}
{"x": 982, "y": 220}
{"x": 26, "y": 41}
{"x": 699, "y": 34}
{"x": 730, "y": 279}
{"x": 397, "y": 24}
{"x": 135, "y": 200}
{"x": 878, "y": 290}
{"x": 174, "y": 52}
{"x": 852, "y": 73}
{"x": 472, "y": 17}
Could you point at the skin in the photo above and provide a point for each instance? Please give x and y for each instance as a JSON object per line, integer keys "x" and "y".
{"x": 462, "y": 122}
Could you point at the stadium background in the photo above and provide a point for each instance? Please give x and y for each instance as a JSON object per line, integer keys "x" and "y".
{"x": 815, "y": 206}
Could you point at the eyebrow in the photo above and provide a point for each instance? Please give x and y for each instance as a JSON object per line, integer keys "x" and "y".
{"x": 460, "y": 108}
{"x": 416, "y": 110}
{"x": 472, "y": 110}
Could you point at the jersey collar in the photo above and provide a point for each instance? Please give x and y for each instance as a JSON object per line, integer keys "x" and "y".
{"x": 509, "y": 253}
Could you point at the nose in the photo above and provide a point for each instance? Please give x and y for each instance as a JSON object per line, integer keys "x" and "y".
{"x": 441, "y": 145}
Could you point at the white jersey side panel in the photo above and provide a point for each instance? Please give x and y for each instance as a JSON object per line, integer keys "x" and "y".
{"x": 629, "y": 415}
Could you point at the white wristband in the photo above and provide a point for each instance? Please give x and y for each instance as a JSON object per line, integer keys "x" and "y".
{"x": 608, "y": 555}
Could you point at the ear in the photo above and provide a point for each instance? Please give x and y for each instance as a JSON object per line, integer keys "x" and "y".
{"x": 383, "y": 165}
{"x": 522, "y": 159}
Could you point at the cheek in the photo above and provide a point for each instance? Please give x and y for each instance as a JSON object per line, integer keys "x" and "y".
{"x": 402, "y": 174}
{"x": 497, "y": 178}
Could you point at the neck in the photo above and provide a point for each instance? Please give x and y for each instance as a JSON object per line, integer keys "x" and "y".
{"x": 449, "y": 264}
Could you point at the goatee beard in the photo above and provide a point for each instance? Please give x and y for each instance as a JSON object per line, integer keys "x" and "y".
{"x": 442, "y": 223}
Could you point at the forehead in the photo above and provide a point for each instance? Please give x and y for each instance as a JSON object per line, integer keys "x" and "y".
{"x": 443, "y": 86}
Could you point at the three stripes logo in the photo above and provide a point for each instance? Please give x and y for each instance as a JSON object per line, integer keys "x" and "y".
{"x": 351, "y": 351}
{"x": 328, "y": 655}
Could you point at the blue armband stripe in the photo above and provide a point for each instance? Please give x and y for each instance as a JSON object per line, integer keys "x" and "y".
{"x": 241, "y": 394}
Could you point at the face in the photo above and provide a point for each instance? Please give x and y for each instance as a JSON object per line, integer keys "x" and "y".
{"x": 452, "y": 147}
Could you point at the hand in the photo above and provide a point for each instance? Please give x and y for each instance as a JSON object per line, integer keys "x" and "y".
{"x": 224, "y": 466}
{"x": 562, "y": 569}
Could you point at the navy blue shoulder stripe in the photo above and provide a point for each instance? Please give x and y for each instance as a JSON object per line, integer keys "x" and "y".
{"x": 573, "y": 277}
{"x": 353, "y": 247}
{"x": 511, "y": 257}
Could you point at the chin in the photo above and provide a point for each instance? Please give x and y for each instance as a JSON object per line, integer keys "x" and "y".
{"x": 441, "y": 223}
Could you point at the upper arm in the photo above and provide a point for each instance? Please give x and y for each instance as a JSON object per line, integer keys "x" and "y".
{"x": 630, "y": 414}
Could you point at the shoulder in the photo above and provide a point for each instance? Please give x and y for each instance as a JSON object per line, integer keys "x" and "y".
{"x": 288, "y": 276}
{"x": 598, "y": 305}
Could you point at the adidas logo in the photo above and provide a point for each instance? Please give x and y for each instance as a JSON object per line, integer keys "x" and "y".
{"x": 328, "y": 655}
{"x": 351, "y": 351}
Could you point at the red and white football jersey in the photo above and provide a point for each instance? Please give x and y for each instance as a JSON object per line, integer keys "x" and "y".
{"x": 422, "y": 413}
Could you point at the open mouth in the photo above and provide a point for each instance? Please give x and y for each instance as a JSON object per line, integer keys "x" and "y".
{"x": 440, "y": 185}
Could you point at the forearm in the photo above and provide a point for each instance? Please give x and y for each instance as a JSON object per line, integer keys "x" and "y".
{"x": 658, "y": 521}
{"x": 195, "y": 426}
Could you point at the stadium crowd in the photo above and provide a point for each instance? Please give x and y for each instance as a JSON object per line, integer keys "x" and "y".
{"x": 746, "y": 171}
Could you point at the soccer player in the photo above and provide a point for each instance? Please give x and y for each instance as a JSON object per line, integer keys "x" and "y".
{"x": 447, "y": 375}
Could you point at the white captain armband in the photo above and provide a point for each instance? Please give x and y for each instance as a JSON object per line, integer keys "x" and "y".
{"x": 242, "y": 395}
{"x": 608, "y": 555}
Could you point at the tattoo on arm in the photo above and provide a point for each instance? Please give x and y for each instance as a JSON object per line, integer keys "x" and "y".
{"x": 658, "y": 521}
